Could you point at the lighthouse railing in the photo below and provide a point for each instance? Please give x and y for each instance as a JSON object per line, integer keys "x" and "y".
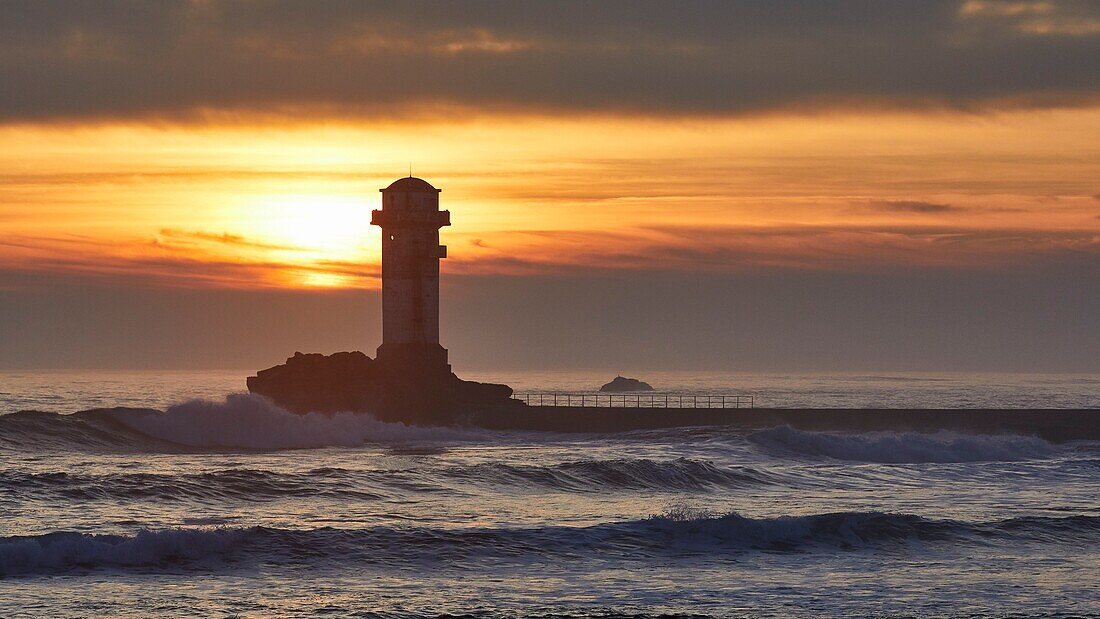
{"x": 635, "y": 400}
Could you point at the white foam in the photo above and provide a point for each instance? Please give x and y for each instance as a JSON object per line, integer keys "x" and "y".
{"x": 905, "y": 447}
{"x": 252, "y": 422}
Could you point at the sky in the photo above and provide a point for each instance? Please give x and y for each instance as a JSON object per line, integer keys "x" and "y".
{"x": 742, "y": 186}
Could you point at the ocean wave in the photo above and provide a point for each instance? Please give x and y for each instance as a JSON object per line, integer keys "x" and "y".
{"x": 253, "y": 422}
{"x": 672, "y": 534}
{"x": 244, "y": 484}
{"x": 67, "y": 550}
{"x": 617, "y": 474}
{"x": 229, "y": 484}
{"x": 904, "y": 447}
{"x": 92, "y": 430}
{"x": 242, "y": 421}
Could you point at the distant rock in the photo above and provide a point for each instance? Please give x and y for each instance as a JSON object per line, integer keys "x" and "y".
{"x": 622, "y": 383}
{"x": 353, "y": 382}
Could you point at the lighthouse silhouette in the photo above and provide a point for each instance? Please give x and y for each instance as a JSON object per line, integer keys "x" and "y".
{"x": 410, "y": 380}
{"x": 410, "y": 220}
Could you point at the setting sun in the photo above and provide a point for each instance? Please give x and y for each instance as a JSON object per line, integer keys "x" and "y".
{"x": 311, "y": 227}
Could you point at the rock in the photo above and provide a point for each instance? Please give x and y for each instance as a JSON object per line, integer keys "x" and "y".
{"x": 626, "y": 384}
{"x": 353, "y": 382}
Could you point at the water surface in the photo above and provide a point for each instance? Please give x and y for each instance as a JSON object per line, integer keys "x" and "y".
{"x": 236, "y": 508}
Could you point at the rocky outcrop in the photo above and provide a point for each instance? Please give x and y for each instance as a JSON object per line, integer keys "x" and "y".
{"x": 621, "y": 384}
{"x": 352, "y": 381}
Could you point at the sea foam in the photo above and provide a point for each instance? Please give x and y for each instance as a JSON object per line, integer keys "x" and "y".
{"x": 253, "y": 422}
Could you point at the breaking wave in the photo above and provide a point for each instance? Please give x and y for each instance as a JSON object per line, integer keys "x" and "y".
{"x": 94, "y": 430}
{"x": 242, "y": 421}
{"x": 677, "y": 475}
{"x": 66, "y": 550}
{"x": 675, "y": 533}
{"x": 252, "y": 422}
{"x": 904, "y": 447}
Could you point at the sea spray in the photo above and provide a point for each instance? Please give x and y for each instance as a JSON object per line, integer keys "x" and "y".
{"x": 252, "y": 422}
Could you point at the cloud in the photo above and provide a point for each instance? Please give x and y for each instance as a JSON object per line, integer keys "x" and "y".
{"x": 1066, "y": 18}
{"x": 202, "y": 260}
{"x": 167, "y": 262}
{"x": 180, "y": 60}
{"x": 222, "y": 239}
{"x": 741, "y": 249}
{"x": 913, "y": 206}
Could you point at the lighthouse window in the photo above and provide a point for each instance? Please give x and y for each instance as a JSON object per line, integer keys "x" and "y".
{"x": 391, "y": 237}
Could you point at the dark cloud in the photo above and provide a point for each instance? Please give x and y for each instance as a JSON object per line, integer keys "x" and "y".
{"x": 72, "y": 59}
{"x": 914, "y": 206}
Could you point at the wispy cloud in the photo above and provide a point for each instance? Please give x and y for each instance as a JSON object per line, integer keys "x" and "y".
{"x": 913, "y": 206}
{"x": 1066, "y": 18}
{"x": 1005, "y": 8}
{"x": 221, "y": 239}
{"x": 685, "y": 249}
{"x": 745, "y": 249}
{"x": 161, "y": 262}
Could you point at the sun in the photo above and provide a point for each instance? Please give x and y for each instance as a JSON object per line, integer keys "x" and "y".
{"x": 314, "y": 227}
{"x": 314, "y": 240}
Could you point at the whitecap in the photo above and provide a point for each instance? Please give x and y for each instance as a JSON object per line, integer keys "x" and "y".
{"x": 253, "y": 422}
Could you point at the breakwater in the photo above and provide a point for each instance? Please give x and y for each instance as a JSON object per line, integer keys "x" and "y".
{"x": 1050, "y": 424}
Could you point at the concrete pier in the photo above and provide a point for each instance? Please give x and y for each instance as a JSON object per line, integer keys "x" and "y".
{"x": 1050, "y": 424}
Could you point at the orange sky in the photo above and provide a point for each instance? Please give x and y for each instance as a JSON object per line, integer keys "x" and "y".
{"x": 261, "y": 204}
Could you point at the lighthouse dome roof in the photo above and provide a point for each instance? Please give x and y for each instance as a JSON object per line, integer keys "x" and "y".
{"x": 410, "y": 183}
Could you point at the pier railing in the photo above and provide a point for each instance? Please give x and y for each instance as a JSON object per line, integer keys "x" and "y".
{"x": 635, "y": 400}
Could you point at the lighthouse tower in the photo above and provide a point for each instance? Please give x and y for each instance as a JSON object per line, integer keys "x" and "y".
{"x": 410, "y": 220}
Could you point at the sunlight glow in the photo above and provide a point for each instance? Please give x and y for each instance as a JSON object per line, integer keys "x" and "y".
{"x": 329, "y": 227}
{"x": 289, "y": 205}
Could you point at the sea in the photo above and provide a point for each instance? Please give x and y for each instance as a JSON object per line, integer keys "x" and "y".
{"x": 216, "y": 503}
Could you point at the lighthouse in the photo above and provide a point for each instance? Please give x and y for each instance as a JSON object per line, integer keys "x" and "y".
{"x": 409, "y": 381}
{"x": 410, "y": 220}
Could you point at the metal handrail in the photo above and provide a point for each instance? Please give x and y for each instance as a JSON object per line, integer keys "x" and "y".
{"x": 635, "y": 400}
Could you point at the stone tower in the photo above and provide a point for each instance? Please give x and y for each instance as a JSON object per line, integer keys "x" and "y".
{"x": 410, "y": 220}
